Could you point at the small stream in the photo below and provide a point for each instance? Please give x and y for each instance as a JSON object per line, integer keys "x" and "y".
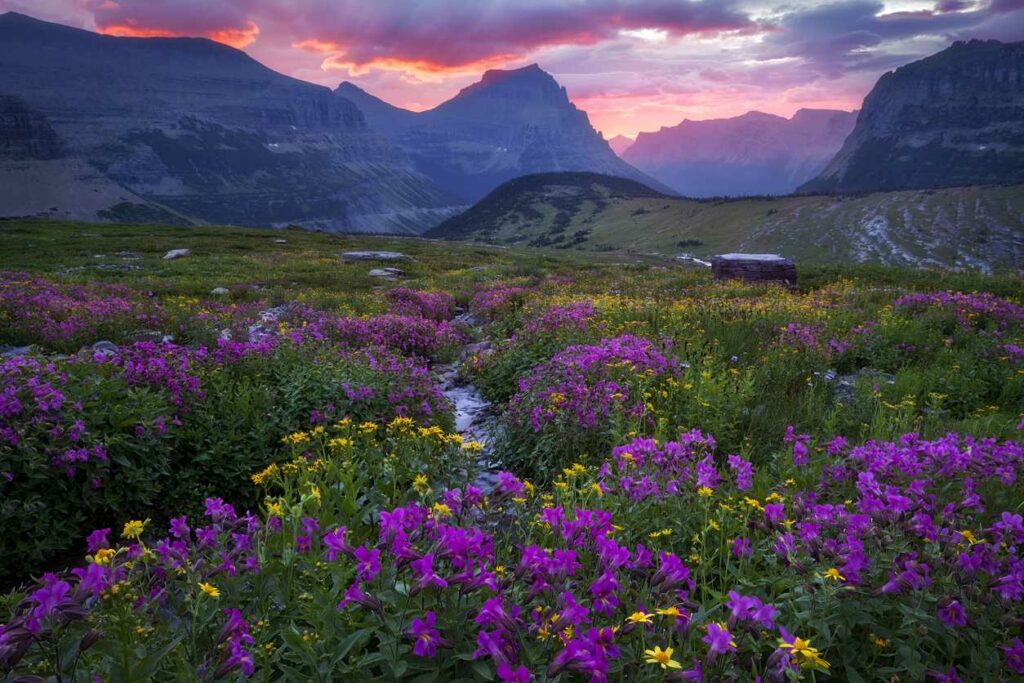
{"x": 474, "y": 418}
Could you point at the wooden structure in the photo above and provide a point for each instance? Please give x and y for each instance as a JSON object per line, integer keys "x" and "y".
{"x": 754, "y": 268}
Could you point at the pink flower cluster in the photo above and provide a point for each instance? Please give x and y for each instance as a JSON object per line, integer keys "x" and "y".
{"x": 588, "y": 382}
{"x": 434, "y": 305}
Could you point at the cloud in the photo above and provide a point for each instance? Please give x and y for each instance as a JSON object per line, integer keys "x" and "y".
{"x": 632, "y": 64}
{"x": 225, "y": 22}
{"x": 839, "y": 37}
{"x": 434, "y": 36}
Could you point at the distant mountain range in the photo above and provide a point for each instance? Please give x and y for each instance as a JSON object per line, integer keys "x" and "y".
{"x": 964, "y": 227}
{"x": 188, "y": 130}
{"x": 191, "y": 130}
{"x": 620, "y": 143}
{"x": 752, "y": 154}
{"x": 955, "y": 118}
{"x": 509, "y": 124}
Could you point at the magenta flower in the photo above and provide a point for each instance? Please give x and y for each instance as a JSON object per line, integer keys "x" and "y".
{"x": 426, "y": 577}
{"x": 718, "y": 639}
{"x": 367, "y": 563}
{"x": 1014, "y": 652}
{"x": 952, "y": 614}
{"x": 741, "y": 547}
{"x": 426, "y": 637}
{"x": 336, "y": 545}
{"x": 507, "y": 674}
{"x": 98, "y": 539}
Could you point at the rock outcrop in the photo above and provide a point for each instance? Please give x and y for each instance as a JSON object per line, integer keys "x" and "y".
{"x": 26, "y": 133}
{"x": 955, "y": 118}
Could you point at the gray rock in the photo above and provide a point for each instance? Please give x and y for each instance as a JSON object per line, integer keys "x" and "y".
{"x": 280, "y": 241}
{"x": 148, "y": 335}
{"x": 754, "y": 268}
{"x": 12, "y": 351}
{"x": 375, "y": 256}
{"x": 104, "y": 348}
{"x": 386, "y": 273}
{"x": 177, "y": 253}
{"x": 220, "y": 291}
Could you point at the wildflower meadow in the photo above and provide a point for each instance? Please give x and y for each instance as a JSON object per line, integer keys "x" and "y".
{"x": 663, "y": 477}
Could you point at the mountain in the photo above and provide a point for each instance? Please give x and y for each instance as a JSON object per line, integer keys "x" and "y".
{"x": 190, "y": 130}
{"x": 381, "y": 116}
{"x": 955, "y": 118}
{"x": 552, "y": 199}
{"x": 970, "y": 227}
{"x": 620, "y": 143}
{"x": 510, "y": 123}
{"x": 752, "y": 154}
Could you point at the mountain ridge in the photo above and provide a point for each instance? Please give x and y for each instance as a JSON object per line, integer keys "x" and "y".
{"x": 511, "y": 122}
{"x": 953, "y": 118}
{"x": 755, "y": 153}
{"x": 965, "y": 227}
{"x": 204, "y": 130}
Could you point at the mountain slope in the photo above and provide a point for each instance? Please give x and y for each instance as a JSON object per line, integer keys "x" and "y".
{"x": 752, "y": 154}
{"x": 955, "y": 118}
{"x": 509, "y": 124}
{"x": 380, "y": 115}
{"x": 972, "y": 227}
{"x": 563, "y": 197}
{"x": 206, "y": 132}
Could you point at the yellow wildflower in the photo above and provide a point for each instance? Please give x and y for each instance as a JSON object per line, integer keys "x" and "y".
{"x": 133, "y": 529}
{"x": 833, "y": 573}
{"x": 705, "y": 491}
{"x": 968, "y": 536}
{"x": 803, "y": 653}
{"x": 209, "y": 589}
{"x": 441, "y": 510}
{"x": 662, "y": 658}
{"x": 639, "y": 618}
{"x": 103, "y": 556}
{"x": 263, "y": 476}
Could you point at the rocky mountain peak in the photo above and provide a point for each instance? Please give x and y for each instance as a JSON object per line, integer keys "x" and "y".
{"x": 528, "y": 82}
{"x": 953, "y": 118}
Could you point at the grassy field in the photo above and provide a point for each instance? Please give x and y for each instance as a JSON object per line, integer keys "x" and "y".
{"x": 673, "y": 476}
{"x": 972, "y": 227}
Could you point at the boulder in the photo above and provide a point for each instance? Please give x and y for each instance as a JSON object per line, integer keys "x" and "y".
{"x": 754, "y": 268}
{"x": 386, "y": 273}
{"x": 375, "y": 256}
{"x": 220, "y": 291}
{"x": 280, "y": 241}
{"x": 12, "y": 351}
{"x": 177, "y": 253}
{"x": 104, "y": 348}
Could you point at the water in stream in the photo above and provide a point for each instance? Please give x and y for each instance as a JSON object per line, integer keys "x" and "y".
{"x": 474, "y": 418}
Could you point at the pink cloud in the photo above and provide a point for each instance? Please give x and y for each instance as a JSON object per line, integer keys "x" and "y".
{"x": 633, "y": 64}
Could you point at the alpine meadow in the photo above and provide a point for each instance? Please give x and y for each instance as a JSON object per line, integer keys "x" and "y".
{"x": 605, "y": 340}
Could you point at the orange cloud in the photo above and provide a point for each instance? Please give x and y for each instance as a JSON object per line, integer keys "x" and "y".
{"x": 235, "y": 37}
{"x": 420, "y": 69}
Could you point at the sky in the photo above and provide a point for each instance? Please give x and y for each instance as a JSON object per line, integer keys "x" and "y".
{"x": 633, "y": 65}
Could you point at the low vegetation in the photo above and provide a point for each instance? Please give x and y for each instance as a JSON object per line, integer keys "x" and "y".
{"x": 696, "y": 481}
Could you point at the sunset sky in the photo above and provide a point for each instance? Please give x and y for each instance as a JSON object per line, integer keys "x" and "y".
{"x": 631, "y": 64}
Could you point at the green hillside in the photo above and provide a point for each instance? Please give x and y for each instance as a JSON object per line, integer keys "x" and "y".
{"x": 971, "y": 227}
